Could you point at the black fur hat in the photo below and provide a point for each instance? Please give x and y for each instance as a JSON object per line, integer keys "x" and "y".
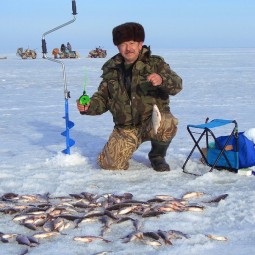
{"x": 129, "y": 31}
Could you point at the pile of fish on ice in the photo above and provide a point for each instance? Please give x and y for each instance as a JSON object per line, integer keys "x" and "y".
{"x": 49, "y": 216}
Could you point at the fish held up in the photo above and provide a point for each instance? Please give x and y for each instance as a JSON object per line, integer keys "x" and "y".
{"x": 156, "y": 119}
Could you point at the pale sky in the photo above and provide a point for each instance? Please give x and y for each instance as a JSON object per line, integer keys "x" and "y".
{"x": 168, "y": 23}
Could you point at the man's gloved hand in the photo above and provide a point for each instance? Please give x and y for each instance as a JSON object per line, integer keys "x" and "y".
{"x": 155, "y": 79}
{"x": 82, "y": 108}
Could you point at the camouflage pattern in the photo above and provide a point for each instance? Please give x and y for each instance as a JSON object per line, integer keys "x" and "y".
{"x": 112, "y": 95}
{"x": 132, "y": 115}
{"x": 124, "y": 141}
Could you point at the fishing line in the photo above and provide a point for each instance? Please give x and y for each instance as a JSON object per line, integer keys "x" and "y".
{"x": 84, "y": 99}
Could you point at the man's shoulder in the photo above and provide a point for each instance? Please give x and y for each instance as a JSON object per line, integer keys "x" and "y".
{"x": 110, "y": 66}
{"x": 157, "y": 58}
{"x": 147, "y": 54}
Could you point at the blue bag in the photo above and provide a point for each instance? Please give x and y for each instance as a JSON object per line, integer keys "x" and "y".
{"x": 246, "y": 149}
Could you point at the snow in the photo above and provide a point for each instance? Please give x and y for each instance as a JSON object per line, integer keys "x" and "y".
{"x": 218, "y": 83}
{"x": 250, "y": 134}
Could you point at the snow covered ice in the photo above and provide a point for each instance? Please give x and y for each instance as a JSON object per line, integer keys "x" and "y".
{"x": 218, "y": 83}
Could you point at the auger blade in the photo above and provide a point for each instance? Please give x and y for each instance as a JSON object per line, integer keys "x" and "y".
{"x": 64, "y": 133}
{"x": 69, "y": 124}
{"x": 71, "y": 142}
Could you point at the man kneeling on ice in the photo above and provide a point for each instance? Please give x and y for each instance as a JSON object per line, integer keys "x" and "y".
{"x": 135, "y": 88}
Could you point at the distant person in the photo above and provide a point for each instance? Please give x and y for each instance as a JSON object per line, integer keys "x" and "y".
{"x": 69, "y": 47}
{"x": 133, "y": 81}
{"x": 55, "y": 52}
{"x": 63, "y": 48}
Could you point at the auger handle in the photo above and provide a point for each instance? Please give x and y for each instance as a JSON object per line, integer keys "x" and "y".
{"x": 44, "y": 47}
{"x": 74, "y": 7}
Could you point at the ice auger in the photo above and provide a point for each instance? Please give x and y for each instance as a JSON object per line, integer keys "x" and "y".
{"x": 69, "y": 124}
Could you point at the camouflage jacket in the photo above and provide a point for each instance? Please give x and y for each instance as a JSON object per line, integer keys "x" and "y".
{"x": 134, "y": 110}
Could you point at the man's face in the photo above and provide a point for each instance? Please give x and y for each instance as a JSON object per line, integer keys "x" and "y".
{"x": 130, "y": 50}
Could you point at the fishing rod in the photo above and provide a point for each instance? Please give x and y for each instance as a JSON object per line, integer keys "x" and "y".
{"x": 69, "y": 124}
{"x": 84, "y": 98}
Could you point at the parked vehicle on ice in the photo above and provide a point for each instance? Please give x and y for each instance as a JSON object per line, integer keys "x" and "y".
{"x": 64, "y": 53}
{"x": 26, "y": 54}
{"x": 97, "y": 53}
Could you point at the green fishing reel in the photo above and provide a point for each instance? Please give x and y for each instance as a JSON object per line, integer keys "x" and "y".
{"x": 84, "y": 99}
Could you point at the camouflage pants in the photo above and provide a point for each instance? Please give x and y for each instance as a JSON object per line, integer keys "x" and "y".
{"x": 124, "y": 141}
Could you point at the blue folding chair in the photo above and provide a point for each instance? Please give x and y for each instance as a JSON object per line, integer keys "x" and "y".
{"x": 215, "y": 156}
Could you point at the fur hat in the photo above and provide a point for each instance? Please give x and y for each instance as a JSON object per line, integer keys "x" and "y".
{"x": 129, "y": 31}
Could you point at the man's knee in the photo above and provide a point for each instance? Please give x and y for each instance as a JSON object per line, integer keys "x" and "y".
{"x": 111, "y": 163}
{"x": 168, "y": 127}
{"x": 118, "y": 150}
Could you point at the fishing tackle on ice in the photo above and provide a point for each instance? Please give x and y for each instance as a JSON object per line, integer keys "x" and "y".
{"x": 69, "y": 124}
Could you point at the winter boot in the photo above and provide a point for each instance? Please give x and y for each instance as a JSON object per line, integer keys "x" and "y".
{"x": 157, "y": 156}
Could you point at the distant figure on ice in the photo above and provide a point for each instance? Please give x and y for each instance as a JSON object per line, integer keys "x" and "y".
{"x": 55, "y": 52}
{"x": 63, "y": 48}
{"x": 69, "y": 47}
{"x": 135, "y": 88}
